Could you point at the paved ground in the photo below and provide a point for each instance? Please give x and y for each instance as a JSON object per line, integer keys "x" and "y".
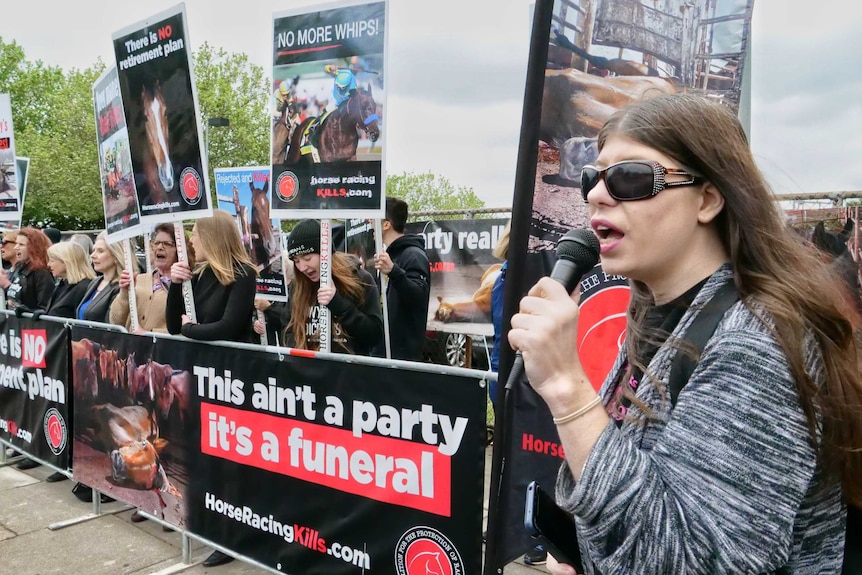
{"x": 109, "y": 544}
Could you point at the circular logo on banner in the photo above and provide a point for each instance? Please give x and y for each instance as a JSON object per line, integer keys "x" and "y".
{"x": 602, "y": 330}
{"x": 190, "y": 186}
{"x": 287, "y": 186}
{"x": 424, "y": 550}
{"x": 56, "y": 433}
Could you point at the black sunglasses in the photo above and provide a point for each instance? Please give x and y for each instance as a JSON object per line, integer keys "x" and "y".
{"x": 633, "y": 179}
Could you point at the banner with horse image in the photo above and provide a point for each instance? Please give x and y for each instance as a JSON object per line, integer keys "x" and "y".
{"x": 157, "y": 89}
{"x": 328, "y": 103}
{"x": 10, "y": 192}
{"x": 395, "y": 454}
{"x": 594, "y": 58}
{"x": 34, "y": 396}
{"x": 245, "y": 194}
{"x": 134, "y": 425}
{"x": 463, "y": 268}
{"x": 119, "y": 196}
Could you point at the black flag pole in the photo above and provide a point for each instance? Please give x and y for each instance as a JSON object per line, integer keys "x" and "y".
{"x": 517, "y": 283}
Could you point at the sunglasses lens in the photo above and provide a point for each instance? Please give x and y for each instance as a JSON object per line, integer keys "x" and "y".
{"x": 630, "y": 181}
{"x": 589, "y": 178}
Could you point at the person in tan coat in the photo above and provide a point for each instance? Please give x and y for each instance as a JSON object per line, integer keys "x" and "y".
{"x": 151, "y": 290}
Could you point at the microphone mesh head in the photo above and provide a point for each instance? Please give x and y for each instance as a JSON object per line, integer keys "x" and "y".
{"x": 580, "y": 246}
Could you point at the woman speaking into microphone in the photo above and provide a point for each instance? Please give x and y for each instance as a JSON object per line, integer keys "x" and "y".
{"x": 749, "y": 467}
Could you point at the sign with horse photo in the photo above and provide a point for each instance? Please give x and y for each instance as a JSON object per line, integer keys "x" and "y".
{"x": 119, "y": 197}
{"x": 245, "y": 194}
{"x": 10, "y": 198}
{"x": 157, "y": 88}
{"x": 327, "y": 112}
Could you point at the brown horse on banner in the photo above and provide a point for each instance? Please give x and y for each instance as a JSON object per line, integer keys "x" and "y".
{"x": 338, "y": 136}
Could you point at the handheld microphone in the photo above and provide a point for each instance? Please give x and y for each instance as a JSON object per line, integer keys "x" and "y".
{"x": 577, "y": 253}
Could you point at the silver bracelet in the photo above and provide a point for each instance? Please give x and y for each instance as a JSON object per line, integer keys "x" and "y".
{"x": 576, "y": 414}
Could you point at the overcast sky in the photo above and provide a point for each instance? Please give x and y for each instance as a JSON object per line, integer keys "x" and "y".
{"x": 456, "y": 71}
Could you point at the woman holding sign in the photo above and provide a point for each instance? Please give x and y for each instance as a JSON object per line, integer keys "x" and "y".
{"x": 352, "y": 298}
{"x": 151, "y": 291}
{"x": 223, "y": 282}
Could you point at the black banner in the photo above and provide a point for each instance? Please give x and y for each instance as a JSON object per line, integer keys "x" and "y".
{"x": 463, "y": 267}
{"x": 34, "y": 397}
{"x": 301, "y": 463}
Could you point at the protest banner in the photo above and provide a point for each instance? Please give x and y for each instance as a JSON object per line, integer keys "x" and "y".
{"x": 245, "y": 193}
{"x": 157, "y": 89}
{"x": 10, "y": 188}
{"x": 329, "y": 96}
{"x": 595, "y": 62}
{"x": 34, "y": 394}
{"x": 119, "y": 196}
{"x": 463, "y": 267}
{"x": 333, "y": 467}
{"x": 23, "y": 165}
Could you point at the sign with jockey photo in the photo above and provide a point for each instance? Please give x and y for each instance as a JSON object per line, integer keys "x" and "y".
{"x": 328, "y": 105}
{"x": 157, "y": 89}
{"x": 119, "y": 197}
{"x": 10, "y": 190}
{"x": 245, "y": 193}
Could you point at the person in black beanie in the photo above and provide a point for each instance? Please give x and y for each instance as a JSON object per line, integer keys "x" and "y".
{"x": 53, "y": 234}
{"x": 352, "y": 299}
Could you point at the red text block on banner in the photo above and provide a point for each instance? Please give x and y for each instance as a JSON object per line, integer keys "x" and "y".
{"x": 390, "y": 470}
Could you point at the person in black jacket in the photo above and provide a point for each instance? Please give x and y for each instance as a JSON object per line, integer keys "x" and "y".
{"x": 32, "y": 286}
{"x": 108, "y": 262}
{"x": 223, "y": 283}
{"x": 71, "y": 268}
{"x": 352, "y": 299}
{"x": 406, "y": 265}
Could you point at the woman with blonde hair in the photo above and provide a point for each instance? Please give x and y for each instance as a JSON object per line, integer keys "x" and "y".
{"x": 73, "y": 273}
{"x": 223, "y": 281}
{"x": 108, "y": 263}
{"x": 746, "y": 464}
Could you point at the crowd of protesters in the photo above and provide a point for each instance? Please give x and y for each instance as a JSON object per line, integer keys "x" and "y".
{"x": 84, "y": 279}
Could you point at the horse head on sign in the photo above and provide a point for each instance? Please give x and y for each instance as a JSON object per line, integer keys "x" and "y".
{"x": 158, "y": 136}
{"x": 264, "y": 243}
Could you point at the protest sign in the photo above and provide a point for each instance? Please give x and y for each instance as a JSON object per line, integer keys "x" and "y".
{"x": 245, "y": 193}
{"x": 10, "y": 187}
{"x": 119, "y": 197}
{"x": 157, "y": 88}
{"x": 328, "y": 99}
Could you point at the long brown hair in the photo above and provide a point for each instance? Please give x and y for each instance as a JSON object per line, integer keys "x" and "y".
{"x": 771, "y": 267}
{"x": 223, "y": 247}
{"x": 303, "y": 295}
{"x": 37, "y": 248}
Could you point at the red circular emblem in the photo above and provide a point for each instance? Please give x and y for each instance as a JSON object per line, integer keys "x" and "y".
{"x": 190, "y": 186}
{"x": 55, "y": 431}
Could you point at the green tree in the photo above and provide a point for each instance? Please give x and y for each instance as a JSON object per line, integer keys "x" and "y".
{"x": 430, "y": 192}
{"x": 229, "y": 86}
{"x": 63, "y": 184}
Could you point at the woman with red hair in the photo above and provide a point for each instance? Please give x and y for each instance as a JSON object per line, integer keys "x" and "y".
{"x": 33, "y": 285}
